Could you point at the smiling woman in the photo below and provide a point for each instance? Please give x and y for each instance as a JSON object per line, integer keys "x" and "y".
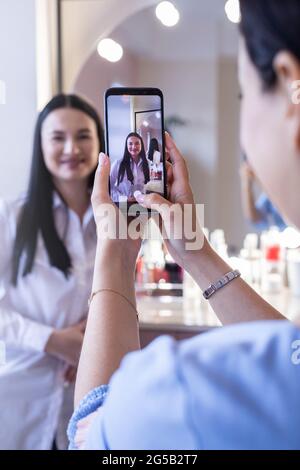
{"x": 131, "y": 172}
{"x": 48, "y": 243}
{"x": 56, "y": 141}
{"x": 68, "y": 145}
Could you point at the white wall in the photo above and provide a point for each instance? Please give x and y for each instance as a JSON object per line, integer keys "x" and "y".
{"x": 47, "y": 52}
{"x": 84, "y": 23}
{"x": 98, "y": 74}
{"x": 18, "y": 71}
{"x": 230, "y": 214}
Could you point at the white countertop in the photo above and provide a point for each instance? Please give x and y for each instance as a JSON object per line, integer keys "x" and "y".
{"x": 196, "y": 311}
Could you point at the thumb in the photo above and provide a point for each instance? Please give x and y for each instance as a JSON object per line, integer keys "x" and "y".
{"x": 100, "y": 192}
{"x": 155, "y": 202}
{"x": 171, "y": 214}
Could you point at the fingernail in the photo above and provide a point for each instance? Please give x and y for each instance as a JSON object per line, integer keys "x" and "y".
{"x": 139, "y": 196}
{"x": 102, "y": 159}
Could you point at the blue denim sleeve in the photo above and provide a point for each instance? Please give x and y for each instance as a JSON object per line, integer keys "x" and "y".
{"x": 262, "y": 205}
{"x": 90, "y": 403}
{"x": 270, "y": 215}
{"x": 235, "y": 387}
{"x": 147, "y": 406}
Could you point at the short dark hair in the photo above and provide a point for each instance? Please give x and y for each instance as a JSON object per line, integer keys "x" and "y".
{"x": 36, "y": 216}
{"x": 268, "y": 27}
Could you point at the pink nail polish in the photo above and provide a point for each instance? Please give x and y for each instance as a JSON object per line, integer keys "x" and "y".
{"x": 102, "y": 159}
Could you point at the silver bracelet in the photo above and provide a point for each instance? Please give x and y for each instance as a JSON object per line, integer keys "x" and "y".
{"x": 223, "y": 281}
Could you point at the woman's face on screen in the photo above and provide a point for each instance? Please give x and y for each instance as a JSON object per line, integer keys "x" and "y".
{"x": 134, "y": 146}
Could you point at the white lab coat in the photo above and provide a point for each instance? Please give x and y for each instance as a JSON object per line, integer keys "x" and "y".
{"x": 35, "y": 404}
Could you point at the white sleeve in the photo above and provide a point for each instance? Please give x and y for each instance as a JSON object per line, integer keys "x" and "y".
{"x": 15, "y": 329}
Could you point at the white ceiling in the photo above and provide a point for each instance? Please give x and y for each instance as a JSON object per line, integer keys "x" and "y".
{"x": 202, "y": 32}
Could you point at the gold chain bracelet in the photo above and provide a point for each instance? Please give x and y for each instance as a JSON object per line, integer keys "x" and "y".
{"x": 115, "y": 292}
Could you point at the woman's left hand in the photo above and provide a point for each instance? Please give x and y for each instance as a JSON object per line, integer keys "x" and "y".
{"x": 117, "y": 233}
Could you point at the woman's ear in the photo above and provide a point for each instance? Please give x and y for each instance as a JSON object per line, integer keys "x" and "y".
{"x": 287, "y": 68}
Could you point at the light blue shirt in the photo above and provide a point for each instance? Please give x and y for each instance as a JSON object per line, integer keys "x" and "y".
{"x": 269, "y": 214}
{"x": 237, "y": 387}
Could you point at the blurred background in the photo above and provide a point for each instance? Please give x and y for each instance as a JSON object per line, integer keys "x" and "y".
{"x": 55, "y": 45}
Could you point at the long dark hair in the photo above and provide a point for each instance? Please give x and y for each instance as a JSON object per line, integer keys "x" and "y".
{"x": 152, "y": 147}
{"x": 125, "y": 163}
{"x": 268, "y": 27}
{"x": 36, "y": 216}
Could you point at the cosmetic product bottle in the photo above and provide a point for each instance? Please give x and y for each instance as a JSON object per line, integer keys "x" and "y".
{"x": 251, "y": 260}
{"x": 272, "y": 266}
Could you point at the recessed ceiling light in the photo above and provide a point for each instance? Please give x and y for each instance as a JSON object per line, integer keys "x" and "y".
{"x": 232, "y": 10}
{"x": 167, "y": 13}
{"x": 110, "y": 50}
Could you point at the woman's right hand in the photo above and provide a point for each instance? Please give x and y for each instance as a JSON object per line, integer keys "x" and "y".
{"x": 65, "y": 344}
{"x": 181, "y": 198}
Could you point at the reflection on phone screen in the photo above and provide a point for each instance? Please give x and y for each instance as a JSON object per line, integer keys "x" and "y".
{"x": 135, "y": 143}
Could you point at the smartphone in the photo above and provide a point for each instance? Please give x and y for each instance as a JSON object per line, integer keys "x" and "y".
{"x": 135, "y": 142}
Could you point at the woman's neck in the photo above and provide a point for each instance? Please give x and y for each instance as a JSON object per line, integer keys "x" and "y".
{"x": 136, "y": 159}
{"x": 75, "y": 194}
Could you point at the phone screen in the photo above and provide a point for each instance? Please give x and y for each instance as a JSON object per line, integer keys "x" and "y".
{"x": 135, "y": 143}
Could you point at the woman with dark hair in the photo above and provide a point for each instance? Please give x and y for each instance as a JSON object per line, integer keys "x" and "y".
{"x": 238, "y": 386}
{"x": 131, "y": 173}
{"x": 48, "y": 241}
{"x": 156, "y": 169}
{"x": 153, "y": 147}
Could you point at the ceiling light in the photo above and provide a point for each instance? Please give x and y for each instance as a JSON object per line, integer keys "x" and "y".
{"x": 232, "y": 10}
{"x": 167, "y": 13}
{"x": 110, "y": 50}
